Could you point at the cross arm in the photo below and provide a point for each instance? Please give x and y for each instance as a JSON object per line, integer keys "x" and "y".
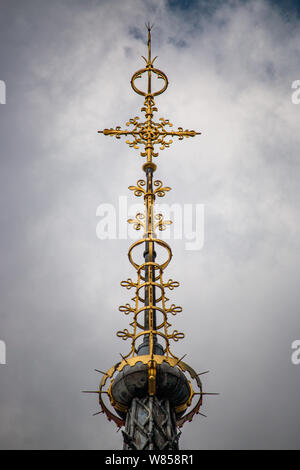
{"x": 180, "y": 133}
{"x": 117, "y": 132}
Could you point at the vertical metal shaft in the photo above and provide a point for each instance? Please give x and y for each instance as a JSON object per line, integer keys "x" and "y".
{"x": 149, "y": 256}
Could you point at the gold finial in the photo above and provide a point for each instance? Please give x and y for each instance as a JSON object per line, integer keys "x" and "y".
{"x": 150, "y": 308}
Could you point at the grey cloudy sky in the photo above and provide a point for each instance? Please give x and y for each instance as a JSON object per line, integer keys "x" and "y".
{"x": 67, "y": 67}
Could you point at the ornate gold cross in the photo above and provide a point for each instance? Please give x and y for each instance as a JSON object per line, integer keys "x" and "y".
{"x": 149, "y": 133}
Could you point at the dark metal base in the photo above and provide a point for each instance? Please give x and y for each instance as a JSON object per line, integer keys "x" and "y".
{"x": 132, "y": 382}
{"x": 150, "y": 425}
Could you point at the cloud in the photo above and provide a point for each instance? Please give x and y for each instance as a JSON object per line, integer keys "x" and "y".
{"x": 67, "y": 68}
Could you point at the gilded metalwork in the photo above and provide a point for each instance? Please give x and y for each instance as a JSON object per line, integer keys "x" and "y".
{"x": 149, "y": 133}
{"x": 149, "y": 307}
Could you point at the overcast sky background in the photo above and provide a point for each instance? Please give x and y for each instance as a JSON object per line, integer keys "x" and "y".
{"x": 67, "y": 67}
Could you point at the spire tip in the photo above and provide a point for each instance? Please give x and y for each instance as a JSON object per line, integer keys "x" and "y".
{"x": 149, "y": 26}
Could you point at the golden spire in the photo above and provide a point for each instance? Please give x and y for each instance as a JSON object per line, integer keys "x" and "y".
{"x": 150, "y": 309}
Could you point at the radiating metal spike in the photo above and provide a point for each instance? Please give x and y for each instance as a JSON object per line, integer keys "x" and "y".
{"x": 124, "y": 359}
{"x": 179, "y": 360}
{"x": 202, "y": 373}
